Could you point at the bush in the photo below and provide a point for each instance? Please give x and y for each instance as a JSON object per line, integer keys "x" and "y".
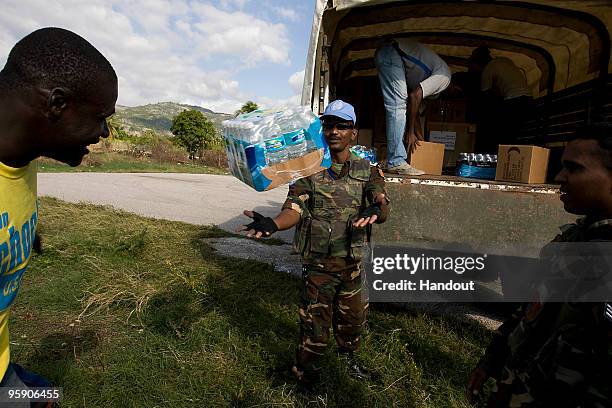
{"x": 214, "y": 158}
{"x": 104, "y": 146}
{"x": 92, "y": 160}
{"x": 135, "y": 145}
{"x": 163, "y": 151}
{"x": 148, "y": 138}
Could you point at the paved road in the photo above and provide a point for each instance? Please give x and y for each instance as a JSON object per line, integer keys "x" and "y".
{"x": 194, "y": 198}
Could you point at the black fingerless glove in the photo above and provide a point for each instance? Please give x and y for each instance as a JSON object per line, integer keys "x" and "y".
{"x": 373, "y": 209}
{"x": 266, "y": 225}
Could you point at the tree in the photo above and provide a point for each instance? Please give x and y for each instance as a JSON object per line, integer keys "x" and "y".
{"x": 194, "y": 132}
{"x": 249, "y": 106}
{"x": 116, "y": 130}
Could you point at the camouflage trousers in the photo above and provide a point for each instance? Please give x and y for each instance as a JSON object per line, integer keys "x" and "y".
{"x": 510, "y": 391}
{"x": 333, "y": 296}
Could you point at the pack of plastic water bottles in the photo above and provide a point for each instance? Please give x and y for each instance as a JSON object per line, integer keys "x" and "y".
{"x": 472, "y": 165}
{"x": 269, "y": 148}
{"x": 368, "y": 153}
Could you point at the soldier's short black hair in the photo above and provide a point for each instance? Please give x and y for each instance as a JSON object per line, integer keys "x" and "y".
{"x": 602, "y": 133}
{"x": 54, "y": 57}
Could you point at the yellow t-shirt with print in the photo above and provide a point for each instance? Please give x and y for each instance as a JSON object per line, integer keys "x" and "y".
{"x": 18, "y": 220}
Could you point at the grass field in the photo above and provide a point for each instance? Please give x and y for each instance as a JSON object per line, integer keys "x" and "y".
{"x": 125, "y": 311}
{"x": 112, "y": 162}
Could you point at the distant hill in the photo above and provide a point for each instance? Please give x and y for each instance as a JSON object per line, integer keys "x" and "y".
{"x": 159, "y": 116}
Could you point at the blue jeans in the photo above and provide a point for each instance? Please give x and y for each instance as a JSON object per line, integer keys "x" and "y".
{"x": 392, "y": 76}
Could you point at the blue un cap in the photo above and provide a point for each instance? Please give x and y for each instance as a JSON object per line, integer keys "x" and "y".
{"x": 340, "y": 109}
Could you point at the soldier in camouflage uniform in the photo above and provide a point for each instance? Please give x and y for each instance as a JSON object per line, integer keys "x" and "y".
{"x": 333, "y": 210}
{"x": 560, "y": 354}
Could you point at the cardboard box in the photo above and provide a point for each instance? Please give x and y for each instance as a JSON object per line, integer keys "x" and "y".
{"x": 428, "y": 157}
{"x": 284, "y": 173}
{"x": 522, "y": 164}
{"x": 457, "y": 138}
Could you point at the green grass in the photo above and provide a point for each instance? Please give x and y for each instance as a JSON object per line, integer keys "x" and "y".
{"x": 112, "y": 162}
{"x": 125, "y": 311}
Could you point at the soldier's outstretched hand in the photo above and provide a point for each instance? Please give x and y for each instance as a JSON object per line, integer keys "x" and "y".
{"x": 260, "y": 227}
{"x": 370, "y": 214}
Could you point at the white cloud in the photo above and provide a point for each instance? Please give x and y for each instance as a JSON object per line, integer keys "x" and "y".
{"x": 162, "y": 50}
{"x": 266, "y": 102}
{"x": 238, "y": 33}
{"x": 296, "y": 81}
{"x": 229, "y": 4}
{"x": 286, "y": 13}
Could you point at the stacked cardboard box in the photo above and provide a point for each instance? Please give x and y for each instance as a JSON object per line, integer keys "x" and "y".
{"x": 446, "y": 123}
{"x": 428, "y": 157}
{"x": 456, "y": 137}
{"x": 522, "y": 164}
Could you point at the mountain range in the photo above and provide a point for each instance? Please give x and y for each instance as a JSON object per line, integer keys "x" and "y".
{"x": 158, "y": 116}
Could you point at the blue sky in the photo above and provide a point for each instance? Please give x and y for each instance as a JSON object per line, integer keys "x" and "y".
{"x": 213, "y": 53}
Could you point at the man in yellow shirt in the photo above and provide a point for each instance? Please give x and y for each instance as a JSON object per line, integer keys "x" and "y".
{"x": 56, "y": 91}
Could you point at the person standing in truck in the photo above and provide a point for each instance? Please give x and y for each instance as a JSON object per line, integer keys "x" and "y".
{"x": 409, "y": 74}
{"x": 504, "y": 102}
{"x": 558, "y": 354}
{"x": 332, "y": 210}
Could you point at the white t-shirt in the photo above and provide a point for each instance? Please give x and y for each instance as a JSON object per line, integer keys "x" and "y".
{"x": 505, "y": 78}
{"x": 424, "y": 67}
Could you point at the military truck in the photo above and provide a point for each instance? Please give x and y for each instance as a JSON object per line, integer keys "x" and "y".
{"x": 562, "y": 47}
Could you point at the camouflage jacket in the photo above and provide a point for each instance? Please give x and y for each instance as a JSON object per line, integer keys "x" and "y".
{"x": 328, "y": 202}
{"x": 560, "y": 352}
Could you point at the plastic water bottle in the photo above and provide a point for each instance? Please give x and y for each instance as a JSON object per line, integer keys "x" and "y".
{"x": 299, "y": 143}
{"x": 365, "y": 153}
{"x": 307, "y": 118}
{"x": 243, "y": 130}
{"x": 296, "y": 143}
{"x": 275, "y": 145}
{"x": 229, "y": 132}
